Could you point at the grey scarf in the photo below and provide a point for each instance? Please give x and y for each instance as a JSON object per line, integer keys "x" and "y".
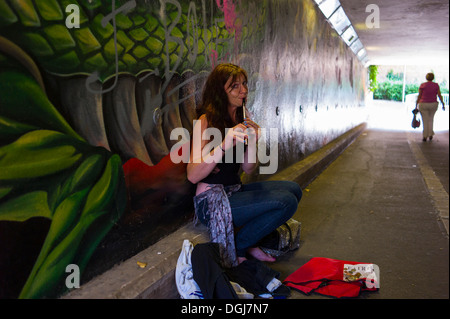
{"x": 220, "y": 224}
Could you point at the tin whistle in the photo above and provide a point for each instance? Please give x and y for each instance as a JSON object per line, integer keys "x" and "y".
{"x": 243, "y": 113}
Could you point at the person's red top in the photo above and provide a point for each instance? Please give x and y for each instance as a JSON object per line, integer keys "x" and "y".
{"x": 429, "y": 92}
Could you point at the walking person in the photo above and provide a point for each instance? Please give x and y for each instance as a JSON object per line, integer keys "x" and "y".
{"x": 427, "y": 104}
{"x": 222, "y": 202}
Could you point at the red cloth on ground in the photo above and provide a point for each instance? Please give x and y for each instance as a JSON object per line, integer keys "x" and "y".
{"x": 331, "y": 277}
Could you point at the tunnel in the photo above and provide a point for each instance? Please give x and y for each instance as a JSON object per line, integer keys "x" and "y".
{"x": 92, "y": 91}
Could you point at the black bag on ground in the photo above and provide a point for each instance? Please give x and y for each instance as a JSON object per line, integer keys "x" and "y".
{"x": 208, "y": 273}
{"x": 255, "y": 276}
{"x": 214, "y": 281}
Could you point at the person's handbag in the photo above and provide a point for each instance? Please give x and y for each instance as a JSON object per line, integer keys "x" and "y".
{"x": 415, "y": 122}
{"x": 285, "y": 238}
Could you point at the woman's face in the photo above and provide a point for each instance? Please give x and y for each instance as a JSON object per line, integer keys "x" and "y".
{"x": 236, "y": 90}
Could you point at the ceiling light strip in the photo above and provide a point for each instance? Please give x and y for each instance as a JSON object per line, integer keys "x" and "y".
{"x": 341, "y": 24}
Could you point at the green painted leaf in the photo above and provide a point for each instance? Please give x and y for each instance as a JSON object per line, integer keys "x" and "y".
{"x": 36, "y": 154}
{"x": 103, "y": 191}
{"x": 21, "y": 208}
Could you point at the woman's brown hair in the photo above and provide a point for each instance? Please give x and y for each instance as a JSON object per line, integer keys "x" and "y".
{"x": 215, "y": 100}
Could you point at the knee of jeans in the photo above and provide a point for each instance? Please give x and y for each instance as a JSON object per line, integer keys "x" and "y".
{"x": 299, "y": 192}
{"x": 291, "y": 204}
{"x": 294, "y": 188}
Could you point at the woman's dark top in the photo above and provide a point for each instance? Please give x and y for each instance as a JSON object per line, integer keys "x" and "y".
{"x": 228, "y": 173}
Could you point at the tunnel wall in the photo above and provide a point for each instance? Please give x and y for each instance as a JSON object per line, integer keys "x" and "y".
{"x": 91, "y": 93}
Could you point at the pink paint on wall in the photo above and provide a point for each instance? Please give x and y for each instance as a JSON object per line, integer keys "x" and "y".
{"x": 229, "y": 10}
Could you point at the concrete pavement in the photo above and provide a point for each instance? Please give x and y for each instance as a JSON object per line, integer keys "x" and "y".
{"x": 384, "y": 200}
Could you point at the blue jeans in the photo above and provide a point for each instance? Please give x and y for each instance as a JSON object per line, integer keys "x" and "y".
{"x": 259, "y": 208}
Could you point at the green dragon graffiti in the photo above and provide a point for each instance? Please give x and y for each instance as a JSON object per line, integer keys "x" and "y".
{"x": 60, "y": 159}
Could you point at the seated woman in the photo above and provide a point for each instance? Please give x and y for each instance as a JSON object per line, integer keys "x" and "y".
{"x": 222, "y": 202}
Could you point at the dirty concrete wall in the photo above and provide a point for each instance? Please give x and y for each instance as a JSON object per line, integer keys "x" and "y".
{"x": 307, "y": 83}
{"x": 90, "y": 91}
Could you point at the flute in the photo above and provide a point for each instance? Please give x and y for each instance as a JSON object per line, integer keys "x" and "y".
{"x": 243, "y": 113}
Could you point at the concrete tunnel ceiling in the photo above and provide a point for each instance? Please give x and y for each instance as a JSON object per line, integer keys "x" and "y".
{"x": 411, "y": 32}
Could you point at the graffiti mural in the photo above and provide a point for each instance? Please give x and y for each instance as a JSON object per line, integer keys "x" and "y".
{"x": 90, "y": 92}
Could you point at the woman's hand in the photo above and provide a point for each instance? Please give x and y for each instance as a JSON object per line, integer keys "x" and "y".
{"x": 234, "y": 135}
{"x": 253, "y": 128}
{"x": 250, "y": 156}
